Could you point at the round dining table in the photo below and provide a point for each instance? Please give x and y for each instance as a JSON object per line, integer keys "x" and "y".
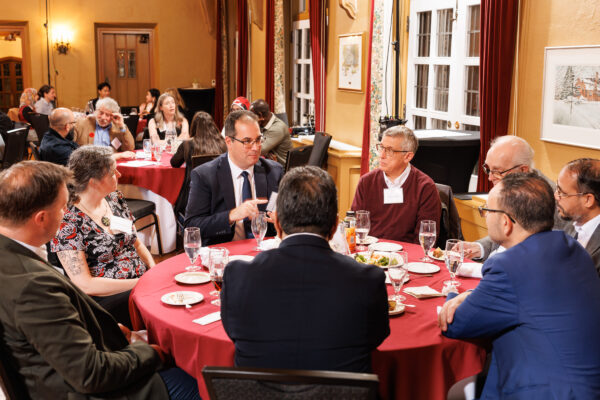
{"x": 415, "y": 361}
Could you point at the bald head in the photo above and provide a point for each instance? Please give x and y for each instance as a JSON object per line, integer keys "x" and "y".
{"x": 262, "y": 111}
{"x": 61, "y": 120}
{"x": 508, "y": 154}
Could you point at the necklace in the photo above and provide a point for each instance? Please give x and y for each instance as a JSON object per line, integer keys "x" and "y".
{"x": 105, "y": 219}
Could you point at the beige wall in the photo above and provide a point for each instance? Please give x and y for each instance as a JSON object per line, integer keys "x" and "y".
{"x": 543, "y": 24}
{"x": 184, "y": 46}
{"x": 10, "y": 48}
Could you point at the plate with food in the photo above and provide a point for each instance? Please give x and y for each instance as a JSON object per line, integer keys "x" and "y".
{"x": 395, "y": 308}
{"x": 385, "y": 246}
{"x": 437, "y": 254}
{"x": 182, "y": 298}
{"x": 379, "y": 258}
{"x": 192, "y": 278}
{"x": 422, "y": 268}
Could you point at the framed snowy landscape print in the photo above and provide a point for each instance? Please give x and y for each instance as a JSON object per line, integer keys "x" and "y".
{"x": 571, "y": 96}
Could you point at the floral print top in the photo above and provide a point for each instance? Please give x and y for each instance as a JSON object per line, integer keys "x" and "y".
{"x": 108, "y": 255}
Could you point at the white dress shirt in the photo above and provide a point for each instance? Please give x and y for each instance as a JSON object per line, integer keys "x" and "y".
{"x": 585, "y": 231}
{"x": 238, "y": 182}
{"x": 399, "y": 181}
{"x": 40, "y": 251}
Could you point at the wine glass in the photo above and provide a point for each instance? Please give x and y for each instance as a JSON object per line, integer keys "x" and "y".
{"x": 259, "y": 228}
{"x": 192, "y": 244}
{"x": 218, "y": 258}
{"x": 157, "y": 149}
{"x": 363, "y": 225}
{"x": 398, "y": 273}
{"x": 427, "y": 237}
{"x": 454, "y": 256}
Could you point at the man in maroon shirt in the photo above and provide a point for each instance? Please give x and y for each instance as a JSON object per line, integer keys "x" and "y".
{"x": 397, "y": 195}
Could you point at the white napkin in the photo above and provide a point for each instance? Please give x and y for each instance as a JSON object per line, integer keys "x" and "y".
{"x": 270, "y": 244}
{"x": 422, "y": 292}
{"x": 139, "y": 163}
{"x": 470, "y": 270}
{"x": 209, "y": 318}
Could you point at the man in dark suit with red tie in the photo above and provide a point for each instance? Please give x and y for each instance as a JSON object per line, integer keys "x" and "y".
{"x": 228, "y": 191}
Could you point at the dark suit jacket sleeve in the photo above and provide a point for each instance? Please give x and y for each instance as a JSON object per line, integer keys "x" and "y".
{"x": 489, "y": 309}
{"x": 488, "y": 246}
{"x": 53, "y": 326}
{"x": 430, "y": 207}
{"x": 379, "y": 320}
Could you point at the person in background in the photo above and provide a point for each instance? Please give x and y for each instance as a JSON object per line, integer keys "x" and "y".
{"x": 167, "y": 117}
{"x": 538, "y": 301}
{"x": 277, "y": 134}
{"x": 397, "y": 195}
{"x": 47, "y": 96}
{"x": 103, "y": 92}
{"x": 57, "y": 145}
{"x": 27, "y": 104}
{"x": 148, "y": 107}
{"x": 96, "y": 243}
{"x": 239, "y": 104}
{"x": 204, "y": 140}
{"x": 178, "y": 100}
{"x": 106, "y": 127}
{"x": 577, "y": 198}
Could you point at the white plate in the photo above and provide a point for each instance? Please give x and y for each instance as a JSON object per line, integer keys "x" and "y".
{"x": 192, "y": 278}
{"x": 188, "y": 298}
{"x": 386, "y": 246}
{"x": 387, "y": 279}
{"x": 398, "y": 310}
{"x": 430, "y": 254}
{"x": 422, "y": 268}
{"x": 370, "y": 240}
{"x": 377, "y": 253}
{"x": 241, "y": 257}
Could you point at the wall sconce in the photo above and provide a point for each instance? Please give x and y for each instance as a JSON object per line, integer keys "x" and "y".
{"x": 62, "y": 38}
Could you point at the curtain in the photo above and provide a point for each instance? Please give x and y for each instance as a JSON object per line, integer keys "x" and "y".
{"x": 366, "y": 142}
{"x": 499, "y": 19}
{"x": 279, "y": 62}
{"x": 218, "y": 104}
{"x": 242, "y": 53}
{"x": 318, "y": 45}
{"x": 270, "y": 55}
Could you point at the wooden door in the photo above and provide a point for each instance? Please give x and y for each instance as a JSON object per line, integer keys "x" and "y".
{"x": 11, "y": 82}
{"x": 125, "y": 60}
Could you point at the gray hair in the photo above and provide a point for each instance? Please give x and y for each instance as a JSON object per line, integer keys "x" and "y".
{"x": 409, "y": 140}
{"x": 88, "y": 162}
{"x": 522, "y": 153}
{"x": 108, "y": 103}
{"x": 60, "y": 117}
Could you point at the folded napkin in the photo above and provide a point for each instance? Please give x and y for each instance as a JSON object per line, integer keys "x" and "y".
{"x": 209, "y": 318}
{"x": 270, "y": 244}
{"x": 422, "y": 292}
{"x": 470, "y": 270}
{"x": 140, "y": 163}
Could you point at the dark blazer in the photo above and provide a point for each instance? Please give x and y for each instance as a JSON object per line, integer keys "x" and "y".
{"x": 62, "y": 344}
{"x": 212, "y": 197}
{"x": 304, "y": 306}
{"x": 539, "y": 302}
{"x": 593, "y": 245}
{"x": 56, "y": 149}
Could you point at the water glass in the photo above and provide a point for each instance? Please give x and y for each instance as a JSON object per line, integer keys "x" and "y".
{"x": 218, "y": 258}
{"x": 363, "y": 225}
{"x": 454, "y": 257}
{"x": 147, "y": 146}
{"x": 427, "y": 237}
{"x": 192, "y": 243}
{"x": 259, "y": 228}
{"x": 157, "y": 150}
{"x": 398, "y": 273}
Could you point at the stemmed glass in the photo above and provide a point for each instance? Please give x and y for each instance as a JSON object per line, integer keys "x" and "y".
{"x": 157, "y": 149}
{"x": 363, "y": 225}
{"x": 218, "y": 258}
{"x": 147, "y": 146}
{"x": 427, "y": 237}
{"x": 259, "y": 228}
{"x": 398, "y": 273}
{"x": 192, "y": 243}
{"x": 454, "y": 256}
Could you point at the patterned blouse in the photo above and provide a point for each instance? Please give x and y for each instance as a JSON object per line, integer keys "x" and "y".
{"x": 108, "y": 255}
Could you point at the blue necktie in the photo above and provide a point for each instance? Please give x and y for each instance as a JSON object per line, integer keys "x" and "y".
{"x": 247, "y": 195}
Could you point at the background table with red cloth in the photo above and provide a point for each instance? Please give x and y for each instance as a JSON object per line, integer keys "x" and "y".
{"x": 414, "y": 362}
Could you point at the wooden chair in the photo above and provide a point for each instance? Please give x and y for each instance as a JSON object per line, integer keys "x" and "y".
{"x": 41, "y": 125}
{"x": 297, "y": 157}
{"x": 318, "y": 156}
{"x": 225, "y": 383}
{"x": 35, "y": 151}
{"x": 15, "y": 146}
{"x": 199, "y": 160}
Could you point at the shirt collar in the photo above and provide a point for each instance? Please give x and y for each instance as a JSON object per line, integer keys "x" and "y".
{"x": 399, "y": 181}
{"x": 303, "y": 233}
{"x": 585, "y": 231}
{"x": 106, "y": 128}
{"x": 237, "y": 171}
{"x": 40, "y": 250}
{"x": 271, "y": 121}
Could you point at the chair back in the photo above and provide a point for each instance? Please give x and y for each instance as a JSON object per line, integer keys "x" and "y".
{"x": 254, "y": 383}
{"x": 132, "y": 122}
{"x": 41, "y": 125}
{"x": 297, "y": 157}
{"x": 35, "y": 151}
{"x": 450, "y": 220}
{"x": 318, "y": 156}
{"x": 199, "y": 160}
{"x": 15, "y": 146}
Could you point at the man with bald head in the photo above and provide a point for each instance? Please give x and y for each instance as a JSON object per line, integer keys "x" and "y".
{"x": 276, "y": 133}
{"x": 57, "y": 145}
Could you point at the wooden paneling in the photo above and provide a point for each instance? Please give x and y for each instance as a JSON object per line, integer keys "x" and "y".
{"x": 472, "y": 224}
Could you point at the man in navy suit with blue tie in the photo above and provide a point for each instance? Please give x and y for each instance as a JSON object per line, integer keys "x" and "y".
{"x": 538, "y": 301}
{"x": 228, "y": 191}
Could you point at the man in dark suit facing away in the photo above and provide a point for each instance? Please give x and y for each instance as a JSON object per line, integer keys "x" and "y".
{"x": 302, "y": 305}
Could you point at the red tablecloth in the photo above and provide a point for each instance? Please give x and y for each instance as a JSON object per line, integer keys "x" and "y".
{"x": 414, "y": 362}
{"x": 162, "y": 179}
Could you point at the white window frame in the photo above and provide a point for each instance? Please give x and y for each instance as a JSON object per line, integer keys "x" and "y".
{"x": 299, "y": 95}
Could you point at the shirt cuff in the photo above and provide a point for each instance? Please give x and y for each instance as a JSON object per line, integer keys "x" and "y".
{"x": 481, "y": 251}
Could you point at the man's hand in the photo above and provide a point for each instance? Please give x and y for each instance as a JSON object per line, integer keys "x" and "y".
{"x": 247, "y": 209}
{"x": 472, "y": 250}
{"x": 118, "y": 120}
{"x": 446, "y": 315}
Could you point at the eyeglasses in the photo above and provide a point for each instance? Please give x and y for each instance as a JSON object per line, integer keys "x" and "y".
{"x": 248, "y": 143}
{"x": 483, "y": 210}
{"x": 498, "y": 174}
{"x": 388, "y": 150}
{"x": 561, "y": 195}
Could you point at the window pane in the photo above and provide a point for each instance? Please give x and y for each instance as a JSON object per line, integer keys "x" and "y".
{"x": 131, "y": 65}
{"x": 422, "y": 82}
{"x": 440, "y": 91}
{"x": 307, "y": 78}
{"x": 472, "y": 90}
{"x": 6, "y": 69}
{"x": 298, "y": 41}
{"x": 470, "y": 128}
{"x": 306, "y": 43}
{"x": 298, "y": 88}
{"x": 19, "y": 84}
{"x": 121, "y": 63}
{"x": 424, "y": 35}
{"x": 439, "y": 124}
{"x": 18, "y": 71}
{"x": 444, "y": 33}
{"x": 473, "y": 31}
{"x": 420, "y": 122}
{"x": 298, "y": 116}
{"x": 7, "y": 84}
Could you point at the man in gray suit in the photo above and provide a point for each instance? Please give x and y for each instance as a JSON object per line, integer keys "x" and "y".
{"x": 507, "y": 155}
{"x": 577, "y": 197}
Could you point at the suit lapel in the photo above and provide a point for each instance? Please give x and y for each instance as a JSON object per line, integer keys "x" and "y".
{"x": 226, "y": 182}
{"x": 593, "y": 244}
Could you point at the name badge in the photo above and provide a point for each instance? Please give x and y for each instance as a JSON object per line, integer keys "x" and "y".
{"x": 116, "y": 143}
{"x": 118, "y": 224}
{"x": 272, "y": 204}
{"x": 393, "y": 196}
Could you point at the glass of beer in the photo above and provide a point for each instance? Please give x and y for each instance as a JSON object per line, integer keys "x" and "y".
{"x": 218, "y": 258}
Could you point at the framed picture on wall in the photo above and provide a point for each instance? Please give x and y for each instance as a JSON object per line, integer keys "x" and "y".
{"x": 571, "y": 96}
{"x": 351, "y": 65}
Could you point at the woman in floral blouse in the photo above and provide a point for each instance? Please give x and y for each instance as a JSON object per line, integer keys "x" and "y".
{"x": 97, "y": 243}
